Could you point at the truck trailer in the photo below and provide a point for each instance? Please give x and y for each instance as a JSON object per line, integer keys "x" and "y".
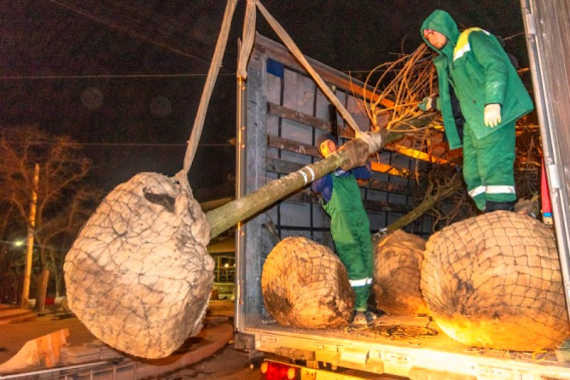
{"x": 281, "y": 113}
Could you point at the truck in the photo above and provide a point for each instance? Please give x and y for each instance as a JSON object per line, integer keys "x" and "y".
{"x": 280, "y": 115}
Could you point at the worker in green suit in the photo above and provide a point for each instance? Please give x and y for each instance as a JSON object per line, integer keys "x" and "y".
{"x": 350, "y": 228}
{"x": 473, "y": 66}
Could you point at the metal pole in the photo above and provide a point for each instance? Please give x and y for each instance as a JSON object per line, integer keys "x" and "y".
{"x": 239, "y": 321}
{"x": 30, "y": 238}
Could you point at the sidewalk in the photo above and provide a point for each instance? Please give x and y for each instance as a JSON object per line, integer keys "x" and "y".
{"x": 15, "y": 335}
{"x": 13, "y": 314}
{"x": 82, "y": 345}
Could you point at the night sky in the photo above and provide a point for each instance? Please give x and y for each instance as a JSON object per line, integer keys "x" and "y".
{"x": 124, "y": 77}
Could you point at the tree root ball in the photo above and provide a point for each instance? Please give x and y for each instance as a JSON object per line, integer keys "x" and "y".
{"x": 139, "y": 275}
{"x": 494, "y": 281}
{"x": 305, "y": 285}
{"x": 398, "y": 260}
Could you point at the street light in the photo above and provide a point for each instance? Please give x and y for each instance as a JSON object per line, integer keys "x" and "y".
{"x": 18, "y": 243}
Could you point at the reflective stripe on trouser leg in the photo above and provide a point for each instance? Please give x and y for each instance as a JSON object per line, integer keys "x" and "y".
{"x": 351, "y": 234}
{"x": 496, "y": 157}
{"x": 360, "y": 282}
{"x": 478, "y": 196}
{"x": 364, "y": 241}
{"x": 361, "y": 294}
{"x": 361, "y": 288}
{"x": 499, "y": 189}
{"x": 350, "y": 255}
{"x": 475, "y": 186}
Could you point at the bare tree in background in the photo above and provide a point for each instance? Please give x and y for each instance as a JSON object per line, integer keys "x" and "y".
{"x": 64, "y": 200}
{"x": 11, "y": 255}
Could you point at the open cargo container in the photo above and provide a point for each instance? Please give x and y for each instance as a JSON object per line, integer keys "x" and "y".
{"x": 280, "y": 116}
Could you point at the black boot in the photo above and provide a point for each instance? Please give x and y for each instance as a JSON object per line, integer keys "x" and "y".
{"x": 494, "y": 206}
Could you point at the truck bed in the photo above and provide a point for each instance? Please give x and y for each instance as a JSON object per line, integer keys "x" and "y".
{"x": 404, "y": 346}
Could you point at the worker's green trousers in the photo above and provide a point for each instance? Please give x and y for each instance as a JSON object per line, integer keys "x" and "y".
{"x": 350, "y": 230}
{"x": 488, "y": 165}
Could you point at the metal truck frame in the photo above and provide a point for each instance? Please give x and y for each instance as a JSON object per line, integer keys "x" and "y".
{"x": 281, "y": 114}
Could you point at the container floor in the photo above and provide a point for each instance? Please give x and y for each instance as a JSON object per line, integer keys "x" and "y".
{"x": 412, "y": 332}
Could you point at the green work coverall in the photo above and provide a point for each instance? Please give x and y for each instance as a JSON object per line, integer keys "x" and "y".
{"x": 481, "y": 73}
{"x": 350, "y": 230}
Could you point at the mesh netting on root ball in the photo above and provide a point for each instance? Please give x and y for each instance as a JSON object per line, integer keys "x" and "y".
{"x": 397, "y": 267}
{"x": 304, "y": 284}
{"x": 139, "y": 275}
{"x": 494, "y": 281}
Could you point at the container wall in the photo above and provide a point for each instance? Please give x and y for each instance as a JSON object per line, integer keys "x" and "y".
{"x": 547, "y": 24}
{"x": 282, "y": 116}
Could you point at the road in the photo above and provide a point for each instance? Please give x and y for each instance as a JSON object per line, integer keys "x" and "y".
{"x": 214, "y": 343}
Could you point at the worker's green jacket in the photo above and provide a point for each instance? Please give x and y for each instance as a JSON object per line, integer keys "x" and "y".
{"x": 481, "y": 73}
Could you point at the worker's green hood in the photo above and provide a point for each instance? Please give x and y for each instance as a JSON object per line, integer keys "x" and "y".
{"x": 442, "y": 22}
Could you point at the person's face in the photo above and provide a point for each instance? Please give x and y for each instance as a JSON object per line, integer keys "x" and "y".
{"x": 435, "y": 38}
{"x": 327, "y": 148}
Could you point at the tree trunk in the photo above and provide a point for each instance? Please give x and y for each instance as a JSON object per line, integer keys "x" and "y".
{"x": 429, "y": 201}
{"x": 43, "y": 281}
{"x": 238, "y": 210}
{"x": 58, "y": 278}
{"x": 349, "y": 155}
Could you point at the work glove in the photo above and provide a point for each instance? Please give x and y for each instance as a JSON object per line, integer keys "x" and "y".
{"x": 492, "y": 115}
{"x": 427, "y": 104}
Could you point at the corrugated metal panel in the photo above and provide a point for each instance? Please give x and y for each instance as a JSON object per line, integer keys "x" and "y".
{"x": 547, "y": 24}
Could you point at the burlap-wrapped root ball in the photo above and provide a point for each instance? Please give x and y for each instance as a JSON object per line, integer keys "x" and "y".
{"x": 139, "y": 275}
{"x": 304, "y": 284}
{"x": 494, "y": 281}
{"x": 397, "y": 268}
